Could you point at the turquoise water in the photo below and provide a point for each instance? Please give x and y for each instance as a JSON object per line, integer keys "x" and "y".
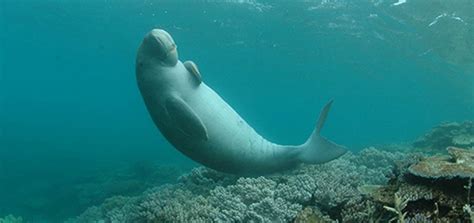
{"x": 70, "y": 106}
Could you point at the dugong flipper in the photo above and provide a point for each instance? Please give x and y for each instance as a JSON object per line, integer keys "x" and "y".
{"x": 200, "y": 124}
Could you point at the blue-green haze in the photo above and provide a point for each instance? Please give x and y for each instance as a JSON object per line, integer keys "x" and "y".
{"x": 70, "y": 105}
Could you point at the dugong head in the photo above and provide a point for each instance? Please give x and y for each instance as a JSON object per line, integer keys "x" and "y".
{"x": 158, "y": 47}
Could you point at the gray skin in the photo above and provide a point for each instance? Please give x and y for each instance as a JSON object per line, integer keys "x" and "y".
{"x": 201, "y": 125}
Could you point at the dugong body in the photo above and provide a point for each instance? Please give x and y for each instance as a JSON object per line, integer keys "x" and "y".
{"x": 200, "y": 124}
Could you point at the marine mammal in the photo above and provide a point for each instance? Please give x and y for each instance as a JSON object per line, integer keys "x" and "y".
{"x": 201, "y": 125}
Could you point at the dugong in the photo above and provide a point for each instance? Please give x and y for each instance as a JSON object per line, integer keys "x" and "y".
{"x": 201, "y": 125}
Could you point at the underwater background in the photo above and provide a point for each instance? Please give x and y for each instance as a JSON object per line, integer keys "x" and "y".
{"x": 73, "y": 124}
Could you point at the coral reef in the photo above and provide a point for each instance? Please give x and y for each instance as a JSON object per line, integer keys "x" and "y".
{"x": 312, "y": 215}
{"x": 434, "y": 189}
{"x": 373, "y": 185}
{"x": 445, "y": 135}
{"x": 207, "y": 195}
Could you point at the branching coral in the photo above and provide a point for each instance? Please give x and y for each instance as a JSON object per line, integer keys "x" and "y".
{"x": 208, "y": 195}
{"x": 399, "y": 206}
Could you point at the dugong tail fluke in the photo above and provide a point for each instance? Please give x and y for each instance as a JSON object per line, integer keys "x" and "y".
{"x": 318, "y": 149}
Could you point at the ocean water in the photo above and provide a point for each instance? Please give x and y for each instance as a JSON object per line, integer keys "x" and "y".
{"x": 70, "y": 108}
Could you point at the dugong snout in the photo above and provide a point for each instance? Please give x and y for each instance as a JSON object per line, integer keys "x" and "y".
{"x": 161, "y": 46}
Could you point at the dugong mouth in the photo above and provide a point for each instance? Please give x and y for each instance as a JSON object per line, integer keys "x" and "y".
{"x": 160, "y": 44}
